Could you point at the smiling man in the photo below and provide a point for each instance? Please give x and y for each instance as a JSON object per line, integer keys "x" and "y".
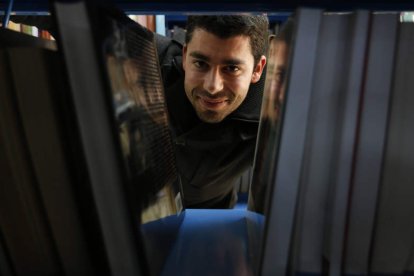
{"x": 213, "y": 99}
{"x": 213, "y": 86}
{"x": 218, "y": 73}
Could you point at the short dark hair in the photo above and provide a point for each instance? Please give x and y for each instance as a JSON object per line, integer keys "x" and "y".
{"x": 225, "y": 26}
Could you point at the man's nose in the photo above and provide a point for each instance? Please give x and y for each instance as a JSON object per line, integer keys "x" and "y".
{"x": 213, "y": 81}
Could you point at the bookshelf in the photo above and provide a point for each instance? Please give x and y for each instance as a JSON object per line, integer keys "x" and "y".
{"x": 281, "y": 10}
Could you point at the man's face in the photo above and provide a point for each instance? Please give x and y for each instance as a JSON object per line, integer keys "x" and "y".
{"x": 218, "y": 73}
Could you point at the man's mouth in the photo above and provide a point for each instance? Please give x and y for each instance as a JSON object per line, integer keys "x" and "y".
{"x": 213, "y": 103}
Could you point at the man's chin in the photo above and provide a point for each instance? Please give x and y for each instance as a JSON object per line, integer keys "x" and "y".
{"x": 211, "y": 117}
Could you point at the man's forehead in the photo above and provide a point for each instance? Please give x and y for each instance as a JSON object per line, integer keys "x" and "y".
{"x": 202, "y": 32}
{"x": 235, "y": 49}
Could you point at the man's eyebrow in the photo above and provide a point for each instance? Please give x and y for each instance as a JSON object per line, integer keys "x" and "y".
{"x": 199, "y": 55}
{"x": 234, "y": 61}
{"x": 230, "y": 61}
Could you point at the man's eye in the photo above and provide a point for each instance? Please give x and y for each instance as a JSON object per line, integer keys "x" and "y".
{"x": 232, "y": 68}
{"x": 200, "y": 64}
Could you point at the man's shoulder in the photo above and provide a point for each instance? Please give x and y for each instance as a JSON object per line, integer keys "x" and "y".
{"x": 167, "y": 48}
{"x": 170, "y": 59}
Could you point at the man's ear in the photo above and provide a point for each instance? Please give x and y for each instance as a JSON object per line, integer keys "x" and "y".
{"x": 184, "y": 55}
{"x": 258, "y": 70}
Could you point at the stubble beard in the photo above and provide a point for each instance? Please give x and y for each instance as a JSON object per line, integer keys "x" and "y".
{"x": 210, "y": 115}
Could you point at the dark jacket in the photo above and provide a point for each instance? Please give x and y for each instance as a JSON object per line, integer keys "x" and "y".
{"x": 210, "y": 157}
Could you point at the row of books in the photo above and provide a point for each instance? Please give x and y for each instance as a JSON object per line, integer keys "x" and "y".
{"x": 86, "y": 155}
{"x": 29, "y": 30}
{"x": 36, "y": 179}
{"x": 341, "y": 197}
{"x": 147, "y": 21}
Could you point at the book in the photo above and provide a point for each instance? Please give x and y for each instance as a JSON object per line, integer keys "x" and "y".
{"x": 23, "y": 226}
{"x": 12, "y": 38}
{"x": 393, "y": 235}
{"x": 332, "y": 117}
{"x": 410, "y": 264}
{"x": 269, "y": 125}
{"x": 280, "y": 212}
{"x": 39, "y": 85}
{"x": 262, "y": 174}
{"x": 344, "y": 156}
{"x": 370, "y": 143}
{"x": 116, "y": 90}
{"x": 41, "y": 111}
{"x": 5, "y": 266}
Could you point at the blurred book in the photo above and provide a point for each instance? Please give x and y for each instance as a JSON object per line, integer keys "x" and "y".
{"x": 369, "y": 144}
{"x": 393, "y": 240}
{"x": 335, "y": 178}
{"x": 39, "y": 189}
